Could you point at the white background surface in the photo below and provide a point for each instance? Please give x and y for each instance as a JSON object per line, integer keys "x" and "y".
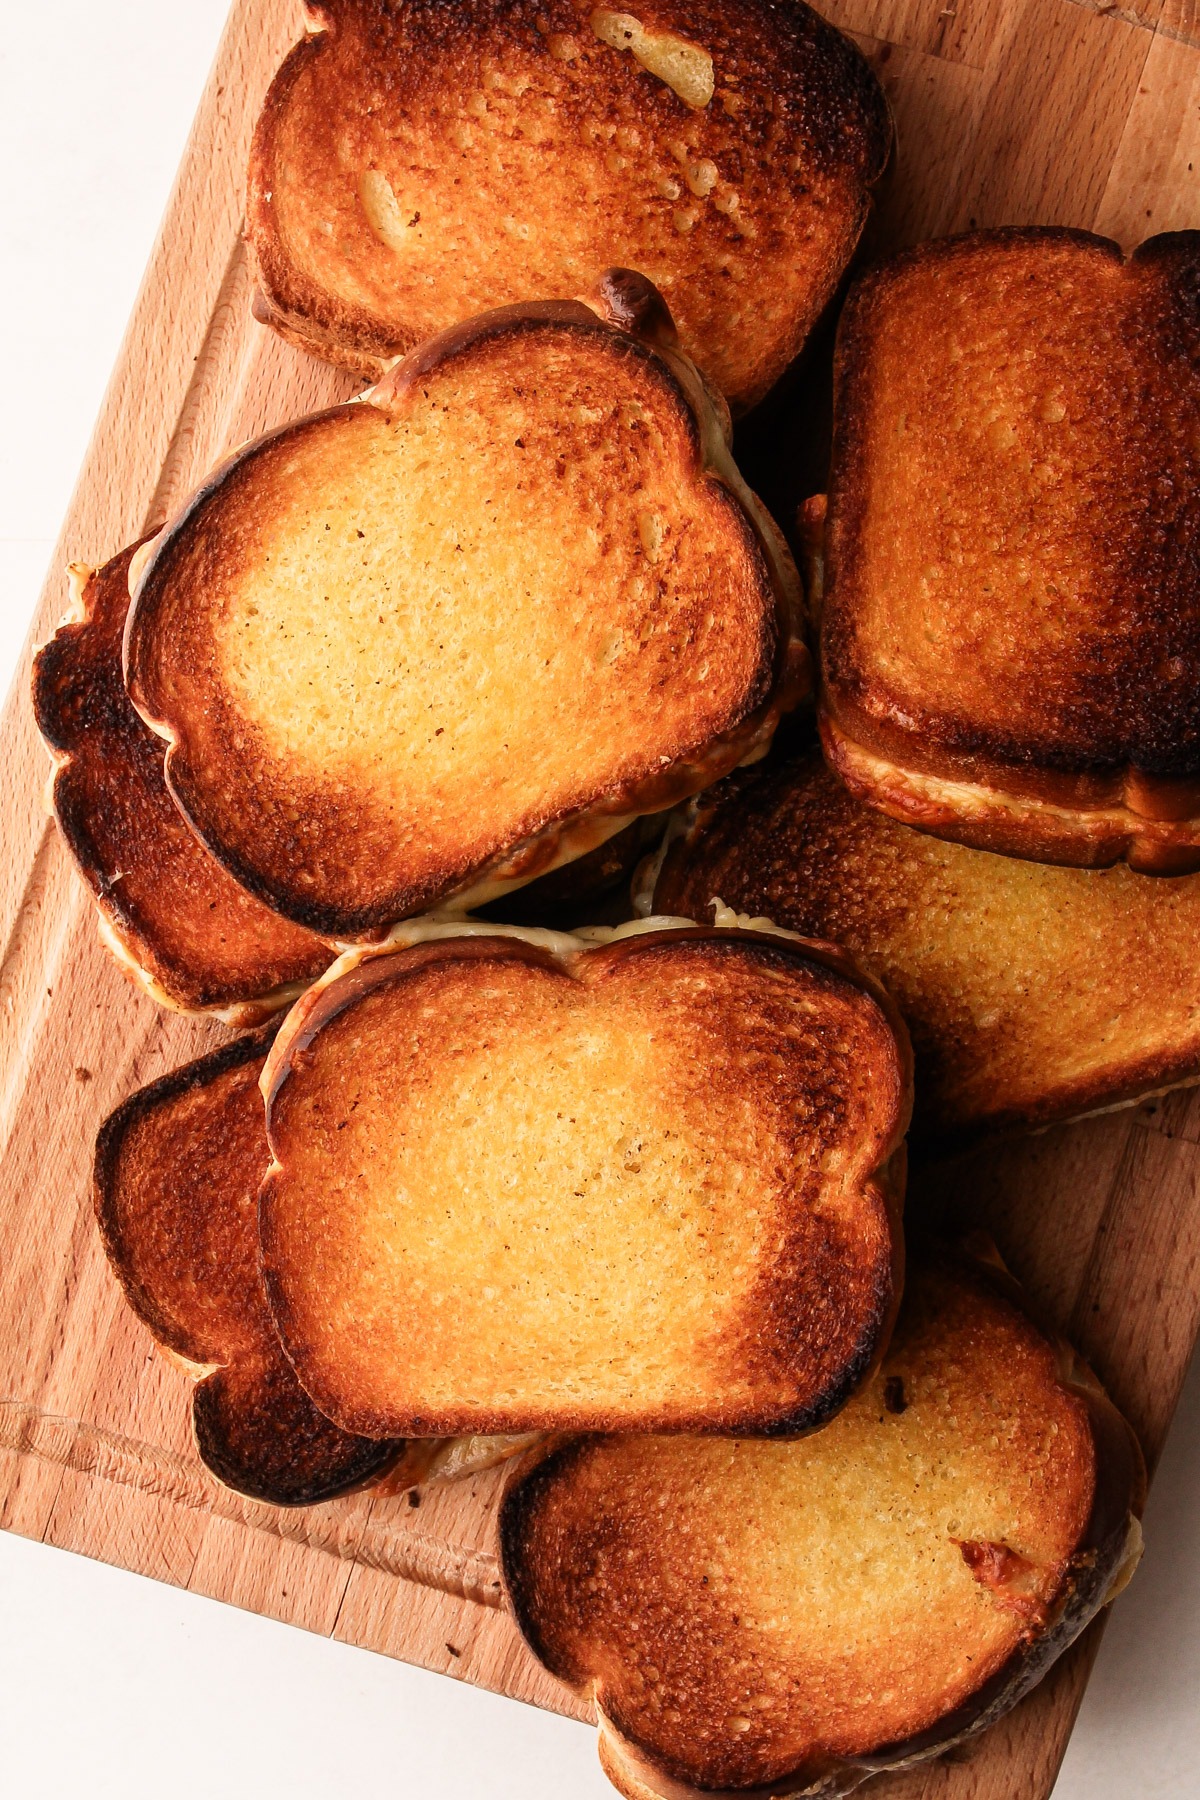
{"x": 110, "y": 1684}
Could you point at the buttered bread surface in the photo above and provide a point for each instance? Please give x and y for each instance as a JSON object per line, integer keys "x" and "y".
{"x": 400, "y": 637}
{"x": 638, "y": 1187}
{"x": 418, "y": 162}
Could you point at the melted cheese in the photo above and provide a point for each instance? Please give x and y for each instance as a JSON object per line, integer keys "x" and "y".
{"x": 384, "y": 213}
{"x": 687, "y": 69}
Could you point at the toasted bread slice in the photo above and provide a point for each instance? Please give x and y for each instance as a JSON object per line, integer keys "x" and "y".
{"x": 523, "y": 1183}
{"x": 418, "y": 162}
{"x": 1032, "y": 993}
{"x": 789, "y": 1618}
{"x": 1011, "y": 623}
{"x": 177, "y": 1172}
{"x": 174, "y": 918}
{"x": 438, "y": 640}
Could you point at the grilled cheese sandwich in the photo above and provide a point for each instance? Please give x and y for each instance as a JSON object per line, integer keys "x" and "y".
{"x": 667, "y": 1159}
{"x": 1010, "y": 643}
{"x": 370, "y": 639}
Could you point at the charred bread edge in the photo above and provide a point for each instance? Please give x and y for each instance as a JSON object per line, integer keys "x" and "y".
{"x": 1098, "y": 1571}
{"x": 966, "y": 789}
{"x": 112, "y": 922}
{"x": 629, "y": 307}
{"x": 358, "y": 972}
{"x": 79, "y": 614}
{"x": 403, "y": 1463}
{"x": 348, "y": 336}
{"x": 1084, "y": 1097}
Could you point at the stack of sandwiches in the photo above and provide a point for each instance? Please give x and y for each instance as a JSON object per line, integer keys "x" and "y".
{"x": 605, "y": 1182}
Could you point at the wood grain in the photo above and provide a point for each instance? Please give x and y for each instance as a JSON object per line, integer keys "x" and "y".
{"x": 1008, "y": 111}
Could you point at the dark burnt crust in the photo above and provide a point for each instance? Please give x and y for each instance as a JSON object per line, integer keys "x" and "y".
{"x": 782, "y": 676}
{"x": 946, "y": 745}
{"x": 842, "y": 111}
{"x": 1080, "y": 1099}
{"x": 732, "y": 824}
{"x": 1097, "y": 1566}
{"x": 879, "y": 1176}
{"x": 110, "y": 1140}
{"x": 254, "y": 1427}
{"x": 1072, "y": 1101}
{"x": 326, "y": 1002}
{"x": 259, "y": 1433}
{"x": 525, "y": 318}
{"x": 632, "y": 316}
{"x": 1098, "y": 1561}
{"x": 627, "y": 312}
{"x": 528, "y": 1476}
{"x": 1145, "y": 767}
{"x": 112, "y": 806}
{"x": 66, "y": 705}
{"x": 148, "y": 627}
{"x": 323, "y": 1003}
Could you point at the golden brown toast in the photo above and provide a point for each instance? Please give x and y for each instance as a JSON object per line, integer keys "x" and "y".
{"x": 177, "y": 1172}
{"x": 433, "y": 642}
{"x": 172, "y": 915}
{"x": 522, "y": 1182}
{"x": 1032, "y": 993}
{"x": 789, "y": 1618}
{"x": 1010, "y": 637}
{"x": 418, "y": 162}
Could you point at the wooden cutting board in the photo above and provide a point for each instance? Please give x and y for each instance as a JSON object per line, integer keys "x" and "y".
{"x": 1009, "y": 112}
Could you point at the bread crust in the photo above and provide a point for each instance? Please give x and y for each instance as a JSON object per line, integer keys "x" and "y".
{"x": 177, "y": 1167}
{"x": 1010, "y": 653}
{"x": 172, "y": 916}
{"x": 344, "y": 856}
{"x": 803, "y": 1362}
{"x": 1033, "y": 994}
{"x": 477, "y": 123}
{"x": 555, "y": 1593}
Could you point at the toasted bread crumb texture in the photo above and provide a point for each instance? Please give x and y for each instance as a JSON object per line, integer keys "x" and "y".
{"x": 1013, "y": 575}
{"x": 177, "y": 1175}
{"x": 420, "y": 162}
{"x": 178, "y": 915}
{"x": 748, "y": 1611}
{"x": 398, "y": 639}
{"x": 1031, "y": 992}
{"x": 513, "y": 1193}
